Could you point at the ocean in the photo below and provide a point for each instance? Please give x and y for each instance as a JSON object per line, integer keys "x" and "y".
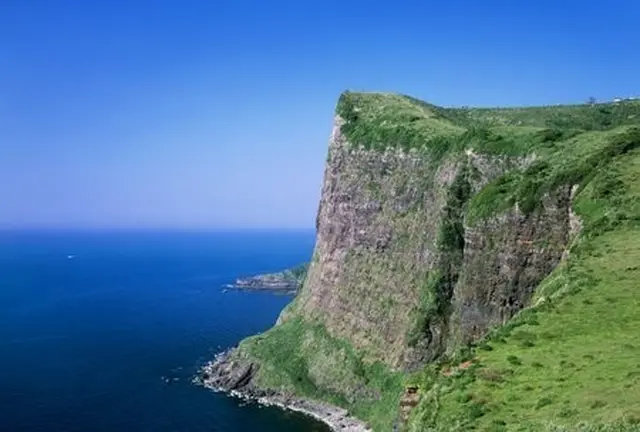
{"x": 104, "y": 331}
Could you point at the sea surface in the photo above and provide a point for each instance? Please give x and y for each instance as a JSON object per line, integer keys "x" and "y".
{"x": 104, "y": 331}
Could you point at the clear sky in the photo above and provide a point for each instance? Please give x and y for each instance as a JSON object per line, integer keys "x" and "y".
{"x": 216, "y": 114}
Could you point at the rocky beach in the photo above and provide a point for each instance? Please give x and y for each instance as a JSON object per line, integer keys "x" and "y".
{"x": 232, "y": 375}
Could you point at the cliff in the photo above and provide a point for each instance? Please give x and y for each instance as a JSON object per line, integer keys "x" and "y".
{"x": 436, "y": 227}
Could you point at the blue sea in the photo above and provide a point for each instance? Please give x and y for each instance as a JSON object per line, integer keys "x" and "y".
{"x": 104, "y": 331}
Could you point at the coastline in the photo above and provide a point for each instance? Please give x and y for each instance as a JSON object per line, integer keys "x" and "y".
{"x": 287, "y": 281}
{"x": 338, "y": 419}
{"x": 275, "y": 291}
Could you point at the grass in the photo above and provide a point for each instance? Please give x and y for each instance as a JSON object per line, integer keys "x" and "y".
{"x": 571, "y": 162}
{"x": 382, "y": 120}
{"x": 426, "y": 310}
{"x": 580, "y": 370}
{"x": 560, "y": 117}
{"x": 298, "y": 272}
{"x": 301, "y": 357}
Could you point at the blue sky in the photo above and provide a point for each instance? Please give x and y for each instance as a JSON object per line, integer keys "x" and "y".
{"x": 209, "y": 115}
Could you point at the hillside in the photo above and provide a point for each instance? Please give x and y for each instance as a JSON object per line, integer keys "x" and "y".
{"x": 488, "y": 257}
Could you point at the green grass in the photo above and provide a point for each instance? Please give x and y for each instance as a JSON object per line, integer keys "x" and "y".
{"x": 559, "y": 117}
{"x": 382, "y": 120}
{"x": 571, "y": 162}
{"x": 576, "y": 356}
{"x": 301, "y": 357}
{"x": 429, "y": 308}
{"x": 298, "y": 272}
{"x": 436, "y": 291}
{"x": 583, "y": 117}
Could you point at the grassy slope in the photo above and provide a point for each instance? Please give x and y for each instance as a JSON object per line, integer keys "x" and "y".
{"x": 576, "y": 358}
{"x": 567, "y": 161}
{"x": 299, "y": 272}
{"x": 380, "y": 120}
{"x": 300, "y": 356}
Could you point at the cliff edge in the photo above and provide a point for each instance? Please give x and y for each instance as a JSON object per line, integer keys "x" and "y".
{"x": 440, "y": 230}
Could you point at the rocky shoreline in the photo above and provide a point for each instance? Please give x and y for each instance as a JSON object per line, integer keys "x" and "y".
{"x": 229, "y": 374}
{"x": 288, "y": 281}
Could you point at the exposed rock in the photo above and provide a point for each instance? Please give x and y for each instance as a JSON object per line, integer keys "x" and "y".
{"x": 231, "y": 373}
{"x": 378, "y": 223}
{"x": 505, "y": 258}
{"x": 228, "y": 372}
{"x": 288, "y": 281}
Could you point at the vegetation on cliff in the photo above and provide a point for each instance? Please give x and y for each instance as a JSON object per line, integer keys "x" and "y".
{"x": 436, "y": 293}
{"x": 567, "y": 162}
{"x": 302, "y": 358}
{"x": 487, "y": 256}
{"x": 571, "y": 358}
{"x": 380, "y": 120}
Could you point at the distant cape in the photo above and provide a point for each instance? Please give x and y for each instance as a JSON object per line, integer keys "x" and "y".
{"x": 289, "y": 280}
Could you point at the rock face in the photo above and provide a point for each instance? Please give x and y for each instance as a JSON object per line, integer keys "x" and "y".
{"x": 233, "y": 374}
{"x": 226, "y": 373}
{"x": 376, "y": 235}
{"x": 505, "y": 258}
{"x": 380, "y": 227}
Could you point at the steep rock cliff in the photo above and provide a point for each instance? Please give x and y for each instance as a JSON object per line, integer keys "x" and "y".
{"x": 504, "y": 260}
{"x": 435, "y": 225}
{"x": 397, "y": 271}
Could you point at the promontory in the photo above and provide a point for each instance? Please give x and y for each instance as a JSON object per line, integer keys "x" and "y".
{"x": 474, "y": 269}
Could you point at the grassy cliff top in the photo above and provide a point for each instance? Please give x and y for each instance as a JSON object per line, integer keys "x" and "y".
{"x": 381, "y": 120}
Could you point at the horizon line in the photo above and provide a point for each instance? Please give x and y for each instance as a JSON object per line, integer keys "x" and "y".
{"x": 151, "y": 229}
